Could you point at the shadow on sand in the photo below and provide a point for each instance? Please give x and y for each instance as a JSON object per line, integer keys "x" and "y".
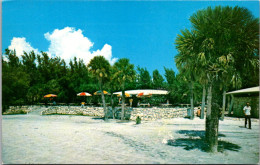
{"x": 196, "y": 141}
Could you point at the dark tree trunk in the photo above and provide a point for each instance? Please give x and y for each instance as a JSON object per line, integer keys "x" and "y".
{"x": 231, "y": 105}
{"x": 103, "y": 100}
{"x": 112, "y": 105}
{"x": 203, "y": 102}
{"x": 223, "y": 105}
{"x": 211, "y": 134}
{"x": 191, "y": 101}
{"x": 123, "y": 105}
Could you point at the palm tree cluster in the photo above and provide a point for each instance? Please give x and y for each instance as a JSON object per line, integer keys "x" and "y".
{"x": 220, "y": 51}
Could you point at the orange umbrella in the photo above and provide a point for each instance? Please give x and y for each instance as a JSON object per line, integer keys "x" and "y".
{"x": 126, "y": 94}
{"x": 99, "y": 93}
{"x": 50, "y": 95}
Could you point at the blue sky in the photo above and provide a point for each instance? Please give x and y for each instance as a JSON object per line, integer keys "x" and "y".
{"x": 143, "y": 31}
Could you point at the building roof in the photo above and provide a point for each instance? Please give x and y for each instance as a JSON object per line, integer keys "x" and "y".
{"x": 148, "y": 91}
{"x": 247, "y": 90}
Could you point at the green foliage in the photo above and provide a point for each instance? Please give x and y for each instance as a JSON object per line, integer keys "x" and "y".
{"x": 143, "y": 79}
{"x": 138, "y": 120}
{"x": 170, "y": 75}
{"x": 100, "y": 68}
{"x": 158, "y": 81}
{"x": 123, "y": 72}
{"x": 222, "y": 46}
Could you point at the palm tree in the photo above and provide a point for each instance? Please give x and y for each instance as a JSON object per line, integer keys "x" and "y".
{"x": 186, "y": 59}
{"x": 113, "y": 86}
{"x": 225, "y": 33}
{"x": 124, "y": 73}
{"x": 100, "y": 67}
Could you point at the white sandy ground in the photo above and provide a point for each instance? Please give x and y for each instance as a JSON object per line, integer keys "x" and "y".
{"x": 79, "y": 139}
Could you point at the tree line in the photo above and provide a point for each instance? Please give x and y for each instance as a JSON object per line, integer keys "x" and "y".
{"x": 27, "y": 78}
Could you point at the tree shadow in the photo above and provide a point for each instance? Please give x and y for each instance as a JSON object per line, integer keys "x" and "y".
{"x": 195, "y": 133}
{"x": 97, "y": 118}
{"x": 196, "y": 141}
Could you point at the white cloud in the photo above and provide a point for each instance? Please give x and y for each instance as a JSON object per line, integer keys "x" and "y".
{"x": 68, "y": 43}
{"x": 20, "y": 45}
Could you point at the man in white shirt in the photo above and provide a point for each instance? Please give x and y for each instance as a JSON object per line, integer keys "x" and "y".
{"x": 247, "y": 113}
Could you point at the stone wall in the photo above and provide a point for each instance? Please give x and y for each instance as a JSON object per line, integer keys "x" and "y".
{"x": 18, "y": 110}
{"x": 74, "y": 110}
{"x": 130, "y": 113}
{"x": 240, "y": 102}
{"x": 153, "y": 113}
{"x": 158, "y": 113}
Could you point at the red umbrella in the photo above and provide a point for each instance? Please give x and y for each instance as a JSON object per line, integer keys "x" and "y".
{"x": 144, "y": 94}
{"x": 84, "y": 94}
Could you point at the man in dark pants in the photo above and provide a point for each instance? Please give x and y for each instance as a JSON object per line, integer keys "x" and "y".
{"x": 247, "y": 113}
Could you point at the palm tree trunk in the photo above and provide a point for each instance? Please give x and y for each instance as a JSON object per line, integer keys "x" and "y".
{"x": 112, "y": 105}
{"x": 191, "y": 101}
{"x": 223, "y": 104}
{"x": 211, "y": 134}
{"x": 231, "y": 105}
{"x": 103, "y": 100}
{"x": 123, "y": 105}
{"x": 203, "y": 102}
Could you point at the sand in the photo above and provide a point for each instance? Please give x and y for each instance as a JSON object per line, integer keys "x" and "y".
{"x": 80, "y": 139}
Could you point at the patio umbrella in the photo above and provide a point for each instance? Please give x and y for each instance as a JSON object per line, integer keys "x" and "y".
{"x": 126, "y": 94}
{"x": 50, "y": 95}
{"x": 84, "y": 94}
{"x": 99, "y": 93}
{"x": 144, "y": 94}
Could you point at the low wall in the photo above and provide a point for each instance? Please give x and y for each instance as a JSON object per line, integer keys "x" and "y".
{"x": 158, "y": 113}
{"x": 74, "y": 110}
{"x": 130, "y": 113}
{"x": 18, "y": 110}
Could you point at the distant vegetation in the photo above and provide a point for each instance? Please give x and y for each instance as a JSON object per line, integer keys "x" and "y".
{"x": 25, "y": 80}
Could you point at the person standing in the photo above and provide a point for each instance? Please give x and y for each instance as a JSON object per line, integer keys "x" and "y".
{"x": 131, "y": 102}
{"x": 247, "y": 114}
{"x": 82, "y": 104}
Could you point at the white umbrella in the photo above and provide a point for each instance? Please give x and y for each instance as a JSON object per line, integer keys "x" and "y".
{"x": 145, "y": 91}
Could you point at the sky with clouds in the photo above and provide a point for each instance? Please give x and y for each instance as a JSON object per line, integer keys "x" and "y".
{"x": 143, "y": 31}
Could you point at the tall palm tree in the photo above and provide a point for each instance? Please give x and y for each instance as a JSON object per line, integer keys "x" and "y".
{"x": 113, "y": 86}
{"x": 124, "y": 73}
{"x": 186, "y": 59}
{"x": 100, "y": 67}
{"x": 225, "y": 32}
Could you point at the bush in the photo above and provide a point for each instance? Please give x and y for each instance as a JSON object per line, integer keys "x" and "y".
{"x": 138, "y": 120}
